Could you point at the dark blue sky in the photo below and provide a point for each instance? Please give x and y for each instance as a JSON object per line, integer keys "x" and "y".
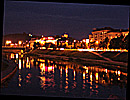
{"x": 49, "y": 18}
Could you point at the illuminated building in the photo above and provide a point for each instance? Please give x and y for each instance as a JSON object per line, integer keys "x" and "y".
{"x": 65, "y": 35}
{"x": 99, "y": 34}
{"x": 31, "y": 42}
{"x": 8, "y": 42}
{"x": 84, "y": 43}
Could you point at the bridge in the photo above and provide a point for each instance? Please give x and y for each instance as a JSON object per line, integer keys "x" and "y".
{"x": 14, "y": 49}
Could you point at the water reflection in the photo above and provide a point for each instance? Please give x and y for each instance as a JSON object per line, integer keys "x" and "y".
{"x": 66, "y": 77}
{"x": 28, "y": 63}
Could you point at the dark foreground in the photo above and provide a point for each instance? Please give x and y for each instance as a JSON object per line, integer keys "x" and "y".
{"x": 51, "y": 78}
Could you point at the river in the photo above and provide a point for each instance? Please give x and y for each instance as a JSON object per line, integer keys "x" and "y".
{"x": 55, "y": 78}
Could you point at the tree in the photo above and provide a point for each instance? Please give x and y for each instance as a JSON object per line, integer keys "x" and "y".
{"x": 117, "y": 43}
{"x": 36, "y": 45}
{"x": 126, "y": 42}
{"x": 104, "y": 43}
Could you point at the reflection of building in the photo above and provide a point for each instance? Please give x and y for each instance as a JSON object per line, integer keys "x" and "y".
{"x": 31, "y": 42}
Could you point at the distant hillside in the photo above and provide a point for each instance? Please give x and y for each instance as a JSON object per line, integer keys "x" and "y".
{"x": 16, "y": 37}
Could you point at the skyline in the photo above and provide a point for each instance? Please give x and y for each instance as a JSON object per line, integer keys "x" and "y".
{"x": 51, "y": 18}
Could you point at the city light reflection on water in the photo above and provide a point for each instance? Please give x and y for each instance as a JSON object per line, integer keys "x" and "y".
{"x": 62, "y": 78}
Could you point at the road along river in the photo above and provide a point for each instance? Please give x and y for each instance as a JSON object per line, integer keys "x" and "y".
{"x": 55, "y": 78}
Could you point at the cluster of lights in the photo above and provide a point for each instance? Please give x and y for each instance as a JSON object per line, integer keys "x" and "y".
{"x": 12, "y": 44}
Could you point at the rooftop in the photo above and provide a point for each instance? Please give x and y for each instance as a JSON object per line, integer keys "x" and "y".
{"x": 104, "y": 28}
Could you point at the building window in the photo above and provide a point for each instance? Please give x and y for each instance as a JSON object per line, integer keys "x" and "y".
{"x": 95, "y": 36}
{"x": 101, "y": 33}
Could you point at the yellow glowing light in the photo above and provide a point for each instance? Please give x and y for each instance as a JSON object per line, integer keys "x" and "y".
{"x": 66, "y": 35}
{"x": 87, "y": 41}
{"x": 119, "y": 73}
{"x": 12, "y": 55}
{"x": 50, "y": 48}
{"x": 96, "y": 42}
{"x": 41, "y": 60}
{"x": 12, "y": 44}
{"x": 23, "y": 63}
{"x": 50, "y": 68}
{"x": 21, "y": 55}
{"x": 84, "y": 40}
{"x": 106, "y": 70}
{"x": 66, "y": 72}
{"x": 27, "y": 45}
{"x": 91, "y": 76}
{"x": 21, "y": 51}
{"x": 42, "y": 47}
{"x": 28, "y": 63}
{"x": 42, "y": 42}
{"x": 91, "y": 40}
{"x": 96, "y": 76}
{"x": 17, "y": 55}
{"x": 83, "y": 75}
{"x": 112, "y": 49}
{"x": 61, "y": 48}
{"x": 74, "y": 73}
{"x": 87, "y": 70}
{"x": 8, "y": 42}
{"x": 19, "y": 63}
{"x": 50, "y": 38}
{"x": 19, "y": 42}
{"x": 61, "y": 71}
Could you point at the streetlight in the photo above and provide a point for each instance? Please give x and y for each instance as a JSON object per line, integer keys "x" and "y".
{"x": 19, "y": 42}
{"x": 97, "y": 42}
{"x": 7, "y": 42}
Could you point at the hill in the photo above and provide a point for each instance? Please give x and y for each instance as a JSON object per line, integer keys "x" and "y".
{"x": 16, "y": 37}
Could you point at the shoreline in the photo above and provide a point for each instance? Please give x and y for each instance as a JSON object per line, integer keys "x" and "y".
{"x": 81, "y": 60}
{"x": 8, "y": 72}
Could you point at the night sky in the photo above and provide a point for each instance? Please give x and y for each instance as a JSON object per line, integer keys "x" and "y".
{"x": 51, "y": 18}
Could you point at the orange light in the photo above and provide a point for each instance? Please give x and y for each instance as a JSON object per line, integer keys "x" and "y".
{"x": 12, "y": 44}
{"x": 20, "y": 42}
{"x": 50, "y": 38}
{"x": 83, "y": 75}
{"x": 12, "y": 55}
{"x": 91, "y": 77}
{"x": 87, "y": 41}
{"x": 27, "y": 45}
{"x": 96, "y": 42}
{"x": 42, "y": 60}
{"x": 19, "y": 63}
{"x": 96, "y": 76}
{"x": 8, "y": 42}
{"x": 84, "y": 40}
{"x": 61, "y": 48}
{"x": 119, "y": 73}
{"x": 74, "y": 40}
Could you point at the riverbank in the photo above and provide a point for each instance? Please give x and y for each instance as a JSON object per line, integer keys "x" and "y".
{"x": 84, "y": 58}
{"x": 8, "y": 68}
